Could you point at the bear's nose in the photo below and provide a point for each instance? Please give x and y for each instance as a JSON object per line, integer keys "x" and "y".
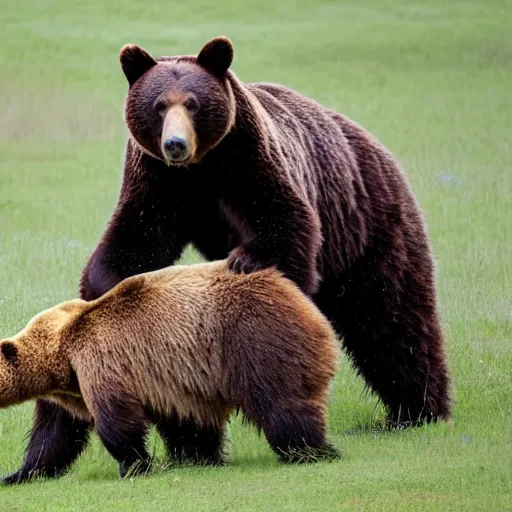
{"x": 177, "y": 149}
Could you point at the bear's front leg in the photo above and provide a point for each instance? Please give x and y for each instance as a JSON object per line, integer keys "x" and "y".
{"x": 148, "y": 230}
{"x": 251, "y": 257}
{"x": 188, "y": 441}
{"x": 278, "y": 227}
{"x": 122, "y": 426}
{"x": 56, "y": 441}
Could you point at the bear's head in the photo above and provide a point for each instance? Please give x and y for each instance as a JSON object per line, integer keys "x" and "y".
{"x": 35, "y": 362}
{"x": 179, "y": 108}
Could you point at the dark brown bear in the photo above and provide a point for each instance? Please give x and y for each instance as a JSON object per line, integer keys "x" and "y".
{"x": 191, "y": 342}
{"x": 269, "y": 177}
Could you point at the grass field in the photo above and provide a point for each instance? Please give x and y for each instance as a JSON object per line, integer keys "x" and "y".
{"x": 431, "y": 79}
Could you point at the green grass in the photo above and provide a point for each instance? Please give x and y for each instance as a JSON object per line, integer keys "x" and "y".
{"x": 431, "y": 79}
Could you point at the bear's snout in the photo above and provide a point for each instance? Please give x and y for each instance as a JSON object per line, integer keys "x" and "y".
{"x": 178, "y": 143}
{"x": 176, "y": 149}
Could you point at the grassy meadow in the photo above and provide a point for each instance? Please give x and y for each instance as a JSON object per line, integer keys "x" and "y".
{"x": 431, "y": 79}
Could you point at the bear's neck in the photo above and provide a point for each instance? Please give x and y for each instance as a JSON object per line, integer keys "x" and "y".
{"x": 43, "y": 372}
{"x": 251, "y": 119}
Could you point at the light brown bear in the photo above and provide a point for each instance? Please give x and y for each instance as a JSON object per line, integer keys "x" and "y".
{"x": 196, "y": 342}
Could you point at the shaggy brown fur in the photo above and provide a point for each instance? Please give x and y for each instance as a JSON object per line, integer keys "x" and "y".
{"x": 192, "y": 343}
{"x": 270, "y": 178}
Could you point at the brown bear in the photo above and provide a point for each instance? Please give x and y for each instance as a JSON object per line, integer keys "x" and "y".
{"x": 192, "y": 342}
{"x": 267, "y": 177}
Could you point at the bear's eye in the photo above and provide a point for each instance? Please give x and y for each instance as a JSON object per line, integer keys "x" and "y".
{"x": 160, "y": 107}
{"x": 191, "y": 104}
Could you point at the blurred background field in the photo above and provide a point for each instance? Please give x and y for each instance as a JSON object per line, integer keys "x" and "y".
{"x": 431, "y": 79}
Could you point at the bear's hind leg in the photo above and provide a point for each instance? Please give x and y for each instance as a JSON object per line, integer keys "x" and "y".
{"x": 186, "y": 441}
{"x": 122, "y": 425}
{"x": 410, "y": 379}
{"x": 392, "y": 333}
{"x": 408, "y": 372}
{"x": 297, "y": 432}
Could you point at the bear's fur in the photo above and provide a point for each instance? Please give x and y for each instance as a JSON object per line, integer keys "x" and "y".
{"x": 269, "y": 177}
{"x": 191, "y": 342}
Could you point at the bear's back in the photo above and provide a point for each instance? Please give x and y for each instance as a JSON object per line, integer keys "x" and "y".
{"x": 350, "y": 178}
{"x": 179, "y": 336}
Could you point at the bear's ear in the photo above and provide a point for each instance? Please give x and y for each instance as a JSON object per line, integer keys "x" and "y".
{"x": 216, "y": 56}
{"x": 135, "y": 62}
{"x": 9, "y": 351}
